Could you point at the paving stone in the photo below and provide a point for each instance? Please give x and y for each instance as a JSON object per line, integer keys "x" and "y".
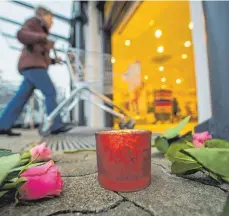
{"x": 169, "y": 195}
{"x": 80, "y": 194}
{"x": 124, "y": 209}
{"x": 158, "y": 158}
{"x": 17, "y": 144}
{"x": 77, "y": 164}
{"x": 206, "y": 179}
{"x": 62, "y": 157}
{"x": 78, "y": 169}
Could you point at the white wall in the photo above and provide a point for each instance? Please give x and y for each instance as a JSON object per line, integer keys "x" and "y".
{"x": 201, "y": 62}
{"x": 94, "y": 64}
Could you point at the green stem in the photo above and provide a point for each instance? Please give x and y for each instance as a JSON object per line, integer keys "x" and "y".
{"x": 9, "y": 186}
{"x": 27, "y": 165}
{"x": 25, "y": 155}
{"x": 79, "y": 150}
{"x": 23, "y": 162}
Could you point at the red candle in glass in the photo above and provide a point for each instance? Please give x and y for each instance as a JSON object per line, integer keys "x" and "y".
{"x": 124, "y": 159}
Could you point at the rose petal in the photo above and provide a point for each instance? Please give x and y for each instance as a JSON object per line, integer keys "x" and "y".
{"x": 41, "y": 152}
{"x": 198, "y": 144}
{"x": 202, "y": 137}
{"x": 37, "y": 187}
{"x": 39, "y": 170}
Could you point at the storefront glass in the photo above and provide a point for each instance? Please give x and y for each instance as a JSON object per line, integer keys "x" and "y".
{"x": 153, "y": 65}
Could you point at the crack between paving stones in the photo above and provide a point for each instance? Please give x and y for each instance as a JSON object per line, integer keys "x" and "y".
{"x": 69, "y": 176}
{"x": 205, "y": 183}
{"x": 125, "y": 199}
{"x": 85, "y": 212}
{"x": 159, "y": 165}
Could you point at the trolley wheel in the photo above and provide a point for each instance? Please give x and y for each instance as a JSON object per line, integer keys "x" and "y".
{"x": 122, "y": 125}
{"x": 130, "y": 124}
{"x": 45, "y": 128}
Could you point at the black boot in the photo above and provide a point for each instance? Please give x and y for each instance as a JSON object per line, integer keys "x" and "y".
{"x": 9, "y": 132}
{"x": 63, "y": 129}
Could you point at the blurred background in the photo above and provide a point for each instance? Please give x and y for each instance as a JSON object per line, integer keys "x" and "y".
{"x": 146, "y": 51}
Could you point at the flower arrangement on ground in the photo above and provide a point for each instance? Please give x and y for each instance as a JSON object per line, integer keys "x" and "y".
{"x": 191, "y": 153}
{"x": 31, "y": 175}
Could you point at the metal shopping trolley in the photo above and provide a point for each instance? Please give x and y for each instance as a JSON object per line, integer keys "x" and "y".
{"x": 80, "y": 65}
{"x": 35, "y": 112}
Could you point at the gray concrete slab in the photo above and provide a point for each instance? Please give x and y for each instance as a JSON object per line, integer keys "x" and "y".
{"x": 125, "y": 208}
{"x": 168, "y": 195}
{"x": 77, "y": 164}
{"x": 16, "y": 144}
{"x": 81, "y": 194}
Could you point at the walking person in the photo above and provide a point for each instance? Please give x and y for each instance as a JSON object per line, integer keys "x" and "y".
{"x": 33, "y": 65}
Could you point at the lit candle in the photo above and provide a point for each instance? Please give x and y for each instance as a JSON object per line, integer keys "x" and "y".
{"x": 124, "y": 159}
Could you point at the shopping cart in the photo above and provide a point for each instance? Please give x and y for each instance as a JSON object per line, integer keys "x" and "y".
{"x": 34, "y": 115}
{"x": 79, "y": 64}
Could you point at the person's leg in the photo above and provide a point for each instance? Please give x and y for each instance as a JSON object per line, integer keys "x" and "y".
{"x": 15, "y": 106}
{"x": 41, "y": 80}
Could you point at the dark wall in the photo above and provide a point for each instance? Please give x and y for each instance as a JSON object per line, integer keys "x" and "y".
{"x": 217, "y": 21}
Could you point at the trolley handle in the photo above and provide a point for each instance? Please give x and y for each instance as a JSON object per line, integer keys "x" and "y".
{"x": 57, "y": 60}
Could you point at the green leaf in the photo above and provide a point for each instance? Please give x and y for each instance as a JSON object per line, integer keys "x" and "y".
{"x": 216, "y": 177}
{"x": 225, "y": 178}
{"x": 161, "y": 144}
{"x": 2, "y": 193}
{"x": 185, "y": 168}
{"x": 187, "y": 137}
{"x": 5, "y": 152}
{"x": 174, "y": 154}
{"x": 15, "y": 172}
{"x": 225, "y": 208}
{"x": 213, "y": 159}
{"x": 216, "y": 143}
{"x": 7, "y": 163}
{"x": 23, "y": 162}
{"x": 20, "y": 182}
{"x": 11, "y": 175}
{"x": 173, "y": 132}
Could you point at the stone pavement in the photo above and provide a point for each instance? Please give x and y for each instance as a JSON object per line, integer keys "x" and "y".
{"x": 168, "y": 195}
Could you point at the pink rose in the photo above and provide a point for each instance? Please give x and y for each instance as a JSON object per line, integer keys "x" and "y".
{"x": 200, "y": 138}
{"x": 41, "y": 181}
{"x": 41, "y": 153}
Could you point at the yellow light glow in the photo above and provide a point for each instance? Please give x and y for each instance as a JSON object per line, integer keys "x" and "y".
{"x": 127, "y": 42}
{"x": 137, "y": 117}
{"x": 184, "y": 56}
{"x": 146, "y": 77}
{"x": 151, "y": 22}
{"x": 161, "y": 68}
{"x": 160, "y": 49}
{"x": 158, "y": 33}
{"x": 113, "y": 60}
{"x": 187, "y": 43}
{"x": 178, "y": 81}
{"x": 190, "y": 25}
{"x": 163, "y": 79}
{"x": 163, "y": 86}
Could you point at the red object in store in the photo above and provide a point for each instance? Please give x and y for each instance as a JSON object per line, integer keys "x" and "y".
{"x": 124, "y": 159}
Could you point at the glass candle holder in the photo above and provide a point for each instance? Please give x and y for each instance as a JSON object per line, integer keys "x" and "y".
{"x": 124, "y": 159}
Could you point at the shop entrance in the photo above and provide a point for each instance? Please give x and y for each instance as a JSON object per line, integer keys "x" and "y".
{"x": 153, "y": 64}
